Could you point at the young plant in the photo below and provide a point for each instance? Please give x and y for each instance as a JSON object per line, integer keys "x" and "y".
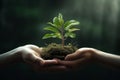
{"x": 61, "y": 29}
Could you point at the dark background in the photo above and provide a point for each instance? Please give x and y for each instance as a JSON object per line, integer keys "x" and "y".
{"x": 22, "y": 22}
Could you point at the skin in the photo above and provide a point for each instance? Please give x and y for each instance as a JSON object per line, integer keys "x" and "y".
{"x": 90, "y": 55}
{"x": 29, "y": 54}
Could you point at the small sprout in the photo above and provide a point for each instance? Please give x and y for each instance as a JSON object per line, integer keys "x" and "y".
{"x": 61, "y": 29}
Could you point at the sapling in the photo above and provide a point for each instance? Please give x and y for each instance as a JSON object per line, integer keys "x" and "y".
{"x": 61, "y": 29}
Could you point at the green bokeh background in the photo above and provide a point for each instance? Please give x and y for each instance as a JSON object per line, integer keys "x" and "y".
{"x": 22, "y": 22}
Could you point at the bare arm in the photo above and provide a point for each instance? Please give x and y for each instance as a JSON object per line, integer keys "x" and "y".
{"x": 31, "y": 55}
{"x": 90, "y": 55}
{"x": 107, "y": 58}
{"x": 10, "y": 57}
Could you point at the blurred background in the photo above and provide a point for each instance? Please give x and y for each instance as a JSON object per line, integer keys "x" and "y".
{"x": 22, "y": 22}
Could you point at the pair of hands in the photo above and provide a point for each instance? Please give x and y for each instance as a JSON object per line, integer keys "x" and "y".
{"x": 31, "y": 54}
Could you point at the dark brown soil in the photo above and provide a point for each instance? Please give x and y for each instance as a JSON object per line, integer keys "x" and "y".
{"x": 54, "y": 50}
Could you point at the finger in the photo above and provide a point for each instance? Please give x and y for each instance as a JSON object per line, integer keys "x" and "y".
{"x": 37, "y": 49}
{"x": 34, "y": 60}
{"x": 50, "y": 62}
{"x": 73, "y": 56}
{"x": 31, "y": 58}
{"x": 79, "y": 54}
{"x": 74, "y": 63}
{"x": 70, "y": 57}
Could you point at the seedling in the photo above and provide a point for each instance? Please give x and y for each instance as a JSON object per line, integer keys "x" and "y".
{"x": 62, "y": 30}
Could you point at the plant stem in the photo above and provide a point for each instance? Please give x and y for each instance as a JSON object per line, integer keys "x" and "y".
{"x": 63, "y": 41}
{"x": 62, "y": 34}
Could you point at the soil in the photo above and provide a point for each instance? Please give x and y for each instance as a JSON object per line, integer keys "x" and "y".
{"x": 54, "y": 50}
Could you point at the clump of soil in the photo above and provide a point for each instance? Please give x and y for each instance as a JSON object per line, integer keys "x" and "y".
{"x": 54, "y": 50}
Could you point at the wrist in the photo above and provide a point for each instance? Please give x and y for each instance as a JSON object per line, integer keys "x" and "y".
{"x": 18, "y": 54}
{"x": 99, "y": 56}
{"x": 14, "y": 56}
{"x": 9, "y": 57}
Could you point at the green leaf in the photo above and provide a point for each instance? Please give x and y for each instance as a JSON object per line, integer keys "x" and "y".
{"x": 52, "y": 35}
{"x": 50, "y": 28}
{"x": 56, "y": 22}
{"x": 71, "y": 35}
{"x": 51, "y": 24}
{"x": 73, "y": 29}
{"x": 58, "y": 35}
{"x": 48, "y": 36}
{"x": 71, "y": 23}
{"x": 60, "y": 29}
{"x": 60, "y": 18}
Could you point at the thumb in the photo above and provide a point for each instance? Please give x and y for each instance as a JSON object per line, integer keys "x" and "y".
{"x": 70, "y": 57}
{"x": 74, "y": 56}
{"x": 33, "y": 59}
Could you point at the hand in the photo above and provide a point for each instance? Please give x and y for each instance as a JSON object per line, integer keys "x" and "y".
{"x": 87, "y": 55}
{"x": 30, "y": 54}
{"x": 78, "y": 59}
